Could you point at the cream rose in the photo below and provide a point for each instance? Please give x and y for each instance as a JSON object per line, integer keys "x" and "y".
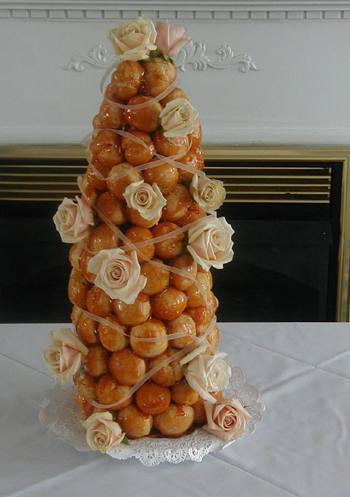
{"x": 63, "y": 358}
{"x": 178, "y": 118}
{"x": 208, "y": 373}
{"x": 73, "y": 220}
{"x": 210, "y": 243}
{"x": 102, "y": 433}
{"x": 170, "y": 38}
{"x": 132, "y": 40}
{"x": 226, "y": 419}
{"x": 208, "y": 193}
{"x": 146, "y": 199}
{"x": 118, "y": 274}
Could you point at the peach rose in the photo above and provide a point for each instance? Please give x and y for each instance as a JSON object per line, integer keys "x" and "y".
{"x": 226, "y": 419}
{"x": 63, "y": 358}
{"x": 73, "y": 220}
{"x": 208, "y": 373}
{"x": 208, "y": 193}
{"x": 102, "y": 433}
{"x": 178, "y": 118}
{"x": 118, "y": 274}
{"x": 132, "y": 40}
{"x": 170, "y": 38}
{"x": 146, "y": 199}
{"x": 210, "y": 243}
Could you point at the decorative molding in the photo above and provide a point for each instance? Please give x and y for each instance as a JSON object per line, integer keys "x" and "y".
{"x": 192, "y": 55}
{"x": 224, "y": 10}
{"x": 96, "y": 58}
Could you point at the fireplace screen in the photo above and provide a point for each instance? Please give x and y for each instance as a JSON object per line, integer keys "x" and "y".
{"x": 288, "y": 209}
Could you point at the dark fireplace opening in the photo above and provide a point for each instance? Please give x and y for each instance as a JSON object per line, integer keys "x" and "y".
{"x": 285, "y": 266}
{"x": 284, "y": 269}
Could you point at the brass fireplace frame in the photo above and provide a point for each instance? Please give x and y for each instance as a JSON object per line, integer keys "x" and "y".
{"x": 226, "y": 153}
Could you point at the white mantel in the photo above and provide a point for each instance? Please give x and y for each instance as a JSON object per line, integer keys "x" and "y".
{"x": 300, "y": 94}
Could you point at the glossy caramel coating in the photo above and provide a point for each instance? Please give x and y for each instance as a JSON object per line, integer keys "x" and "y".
{"x": 171, "y": 247}
{"x": 96, "y": 122}
{"x": 195, "y": 137}
{"x": 138, "y": 234}
{"x": 105, "y": 148}
{"x": 117, "y": 185}
{"x": 135, "y": 217}
{"x": 193, "y": 214}
{"x": 126, "y": 367}
{"x": 200, "y": 416}
{"x": 170, "y": 146}
{"x": 145, "y": 119}
{"x": 182, "y": 324}
{"x": 214, "y": 339}
{"x": 74, "y": 254}
{"x": 157, "y": 278}
{"x": 185, "y": 263}
{"x": 175, "y": 421}
{"x": 159, "y": 75}
{"x": 87, "y": 330}
{"x": 78, "y": 288}
{"x": 173, "y": 95}
{"x": 85, "y": 405}
{"x": 96, "y": 174}
{"x": 152, "y": 398}
{"x": 103, "y": 237}
{"x": 169, "y": 304}
{"x": 86, "y": 385}
{"x": 126, "y": 81}
{"x": 111, "y": 208}
{"x": 113, "y": 338}
{"x": 168, "y": 375}
{"x": 96, "y": 361}
{"x": 182, "y": 393}
{"x": 98, "y": 302}
{"x": 133, "y": 314}
{"x": 75, "y": 314}
{"x": 202, "y": 316}
{"x": 198, "y": 293}
{"x": 178, "y": 203}
{"x": 109, "y": 392}
{"x": 134, "y": 422}
{"x": 84, "y": 262}
{"x": 193, "y": 158}
{"x": 111, "y": 116}
{"x": 135, "y": 153}
{"x": 151, "y": 329}
{"x": 165, "y": 175}
{"x": 91, "y": 194}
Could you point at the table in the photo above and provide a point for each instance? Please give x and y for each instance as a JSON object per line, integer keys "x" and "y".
{"x": 300, "y": 448}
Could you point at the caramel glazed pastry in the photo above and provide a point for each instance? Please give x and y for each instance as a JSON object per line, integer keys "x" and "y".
{"x": 138, "y": 185}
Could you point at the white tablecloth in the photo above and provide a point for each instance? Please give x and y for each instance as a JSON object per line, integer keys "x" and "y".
{"x": 300, "y": 448}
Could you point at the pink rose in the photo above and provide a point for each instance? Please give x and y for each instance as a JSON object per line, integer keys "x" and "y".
{"x": 226, "y": 419}
{"x": 118, "y": 274}
{"x": 132, "y": 40}
{"x": 73, "y": 220}
{"x": 170, "y": 38}
{"x": 102, "y": 433}
{"x": 63, "y": 358}
{"x": 210, "y": 244}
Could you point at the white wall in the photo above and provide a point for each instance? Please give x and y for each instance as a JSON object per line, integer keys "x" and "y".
{"x": 299, "y": 95}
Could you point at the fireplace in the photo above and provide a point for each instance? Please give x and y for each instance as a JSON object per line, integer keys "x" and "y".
{"x": 289, "y": 209}
{"x": 270, "y": 80}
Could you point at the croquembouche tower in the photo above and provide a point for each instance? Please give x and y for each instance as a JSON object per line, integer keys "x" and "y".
{"x": 142, "y": 351}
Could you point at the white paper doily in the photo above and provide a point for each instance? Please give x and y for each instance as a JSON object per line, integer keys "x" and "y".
{"x": 61, "y": 416}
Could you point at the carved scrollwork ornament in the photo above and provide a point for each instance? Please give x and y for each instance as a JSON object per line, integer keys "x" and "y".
{"x": 193, "y": 55}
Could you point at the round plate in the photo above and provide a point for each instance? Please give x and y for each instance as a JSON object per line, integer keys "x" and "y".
{"x": 62, "y": 417}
